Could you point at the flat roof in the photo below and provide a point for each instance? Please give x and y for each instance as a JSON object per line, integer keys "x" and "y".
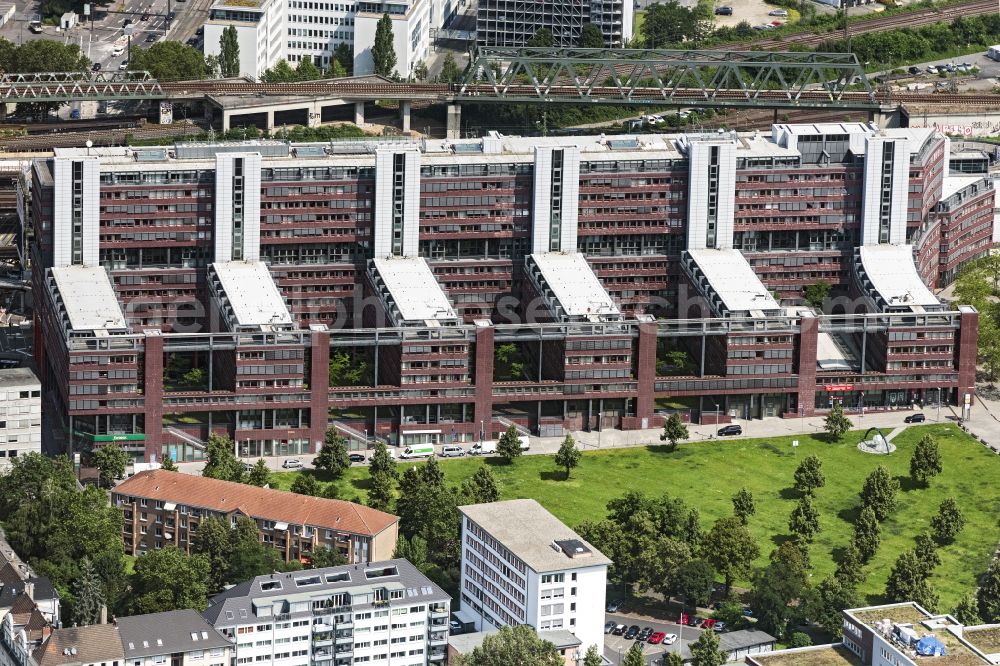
{"x": 252, "y": 294}
{"x": 822, "y": 655}
{"x": 893, "y": 274}
{"x": 414, "y": 289}
{"x": 730, "y": 275}
{"x": 809, "y": 129}
{"x": 954, "y": 184}
{"x": 575, "y": 285}
{"x": 89, "y": 298}
{"x": 17, "y": 377}
{"x": 528, "y": 531}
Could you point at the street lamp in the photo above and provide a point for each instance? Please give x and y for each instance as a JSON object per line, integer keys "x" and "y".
{"x": 600, "y": 427}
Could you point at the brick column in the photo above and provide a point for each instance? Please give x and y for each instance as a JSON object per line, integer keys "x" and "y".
{"x": 646, "y": 371}
{"x": 319, "y": 385}
{"x": 808, "y": 338}
{"x": 484, "y": 375}
{"x": 153, "y": 391}
{"x": 968, "y": 336}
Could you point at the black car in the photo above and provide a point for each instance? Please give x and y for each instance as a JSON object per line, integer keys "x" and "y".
{"x": 724, "y": 11}
{"x": 150, "y": 38}
{"x": 127, "y": 22}
{"x": 192, "y": 41}
{"x": 731, "y": 429}
{"x": 632, "y": 632}
{"x": 619, "y": 630}
{"x": 356, "y": 457}
{"x": 644, "y": 634}
{"x": 694, "y": 620}
{"x": 96, "y": 67}
{"x": 914, "y": 70}
{"x": 915, "y": 418}
{"x": 144, "y": 17}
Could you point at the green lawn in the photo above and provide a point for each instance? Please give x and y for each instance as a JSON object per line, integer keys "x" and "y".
{"x": 706, "y": 474}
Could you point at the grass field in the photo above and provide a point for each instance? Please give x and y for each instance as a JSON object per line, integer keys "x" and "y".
{"x": 706, "y": 474}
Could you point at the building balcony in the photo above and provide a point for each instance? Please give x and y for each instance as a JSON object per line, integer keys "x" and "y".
{"x": 436, "y": 638}
{"x": 319, "y": 640}
{"x": 342, "y": 637}
{"x": 437, "y": 611}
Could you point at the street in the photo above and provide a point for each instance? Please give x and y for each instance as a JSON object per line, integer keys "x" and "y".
{"x": 615, "y": 647}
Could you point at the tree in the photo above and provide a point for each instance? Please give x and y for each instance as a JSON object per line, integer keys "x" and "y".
{"x": 229, "y": 52}
{"x": 420, "y": 71}
{"x": 568, "y": 456}
{"x": 799, "y": 640}
{"x": 169, "y": 61}
{"x": 744, "y": 506}
{"x": 428, "y": 509}
{"x": 867, "y": 534}
{"x": 221, "y": 461}
{"x": 948, "y": 522}
{"x": 908, "y": 582}
{"x": 775, "y": 587}
{"x": 167, "y": 579}
{"x": 809, "y": 475}
{"x": 380, "y": 492}
{"x": 967, "y": 611}
{"x": 336, "y": 70}
{"x": 988, "y": 594}
{"x": 513, "y": 645}
{"x": 879, "y": 492}
{"x": 88, "y": 595}
{"x": 693, "y": 582}
{"x": 325, "y": 557}
{"x": 382, "y": 463}
{"x": 804, "y": 521}
{"x": 731, "y": 549}
{"x": 836, "y": 424}
{"x": 542, "y": 39}
{"x": 383, "y": 50}
{"x": 816, "y": 293}
{"x": 248, "y": 557}
{"x": 42, "y": 55}
{"x": 509, "y": 446}
{"x": 674, "y": 431}
{"x": 259, "y": 475}
{"x": 449, "y": 69}
{"x": 659, "y": 560}
{"x": 168, "y": 464}
{"x": 592, "y": 657}
{"x": 306, "y": 484}
{"x": 482, "y": 488}
{"x": 927, "y": 555}
{"x": 110, "y": 461}
{"x": 591, "y": 37}
{"x": 282, "y": 72}
{"x": 668, "y": 24}
{"x": 705, "y": 651}
{"x": 213, "y": 541}
{"x": 850, "y": 570}
{"x": 333, "y": 458}
{"x": 926, "y": 461}
{"x": 674, "y": 659}
{"x": 827, "y": 601}
{"x": 634, "y": 656}
{"x": 344, "y": 55}
{"x": 307, "y": 70}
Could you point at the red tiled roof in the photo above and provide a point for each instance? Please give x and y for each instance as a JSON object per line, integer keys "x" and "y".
{"x": 263, "y": 503}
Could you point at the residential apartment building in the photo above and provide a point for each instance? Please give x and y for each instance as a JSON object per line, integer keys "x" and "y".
{"x": 522, "y": 565}
{"x": 902, "y": 634}
{"x": 172, "y": 638}
{"x": 296, "y": 30}
{"x": 515, "y": 22}
{"x": 549, "y": 282}
{"x": 20, "y": 414}
{"x": 165, "y": 508}
{"x": 379, "y": 614}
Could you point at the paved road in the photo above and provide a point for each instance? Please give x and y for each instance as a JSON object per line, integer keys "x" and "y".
{"x": 615, "y": 647}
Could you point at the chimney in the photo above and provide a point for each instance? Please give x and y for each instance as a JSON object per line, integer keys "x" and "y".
{"x": 29, "y": 589}
{"x": 104, "y": 614}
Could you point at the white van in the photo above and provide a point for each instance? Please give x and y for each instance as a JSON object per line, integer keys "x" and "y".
{"x": 525, "y": 444}
{"x": 483, "y": 448}
{"x": 417, "y": 451}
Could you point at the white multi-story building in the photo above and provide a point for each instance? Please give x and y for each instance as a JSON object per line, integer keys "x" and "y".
{"x": 295, "y": 30}
{"x": 521, "y": 565}
{"x": 20, "y": 414}
{"x": 378, "y": 614}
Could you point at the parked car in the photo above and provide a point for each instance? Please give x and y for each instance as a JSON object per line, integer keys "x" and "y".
{"x": 725, "y": 10}
{"x": 620, "y": 630}
{"x": 915, "y": 418}
{"x": 452, "y": 451}
{"x": 632, "y": 632}
{"x": 248, "y": 466}
{"x": 731, "y": 429}
{"x": 776, "y": 24}
{"x": 644, "y": 634}
{"x": 656, "y": 638}
{"x": 609, "y": 627}
{"x": 150, "y": 38}
{"x": 356, "y": 457}
{"x": 694, "y": 621}
{"x": 200, "y": 31}
{"x": 914, "y": 70}
{"x": 96, "y": 67}
{"x": 747, "y": 611}
{"x": 455, "y": 627}
{"x": 123, "y": 65}
{"x": 291, "y": 463}
{"x": 484, "y": 448}
{"x": 670, "y": 639}
{"x": 614, "y": 606}
{"x": 932, "y": 69}
{"x": 708, "y": 623}
{"x": 719, "y": 627}
{"x": 144, "y": 17}
{"x": 127, "y": 23}
{"x": 192, "y": 41}
{"x": 778, "y": 12}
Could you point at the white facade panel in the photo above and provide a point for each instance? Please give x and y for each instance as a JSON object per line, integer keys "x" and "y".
{"x": 253, "y": 59}
{"x": 701, "y": 188}
{"x": 385, "y": 201}
{"x": 872, "y": 190}
{"x": 541, "y": 213}
{"x": 20, "y": 415}
{"x": 541, "y": 200}
{"x": 62, "y": 212}
{"x": 571, "y": 199}
{"x": 224, "y": 173}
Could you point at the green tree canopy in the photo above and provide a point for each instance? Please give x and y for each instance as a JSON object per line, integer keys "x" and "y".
{"x": 867, "y": 534}
{"x": 782, "y": 582}
{"x": 836, "y": 423}
{"x": 827, "y": 602}
{"x": 804, "y": 521}
{"x": 383, "y": 48}
{"x": 850, "y": 570}
{"x": 816, "y": 293}
{"x": 509, "y": 446}
{"x": 908, "y": 582}
{"x": 967, "y": 611}
{"x": 542, "y": 39}
{"x": 168, "y": 60}
{"x": 333, "y": 458}
{"x": 591, "y": 37}
{"x": 705, "y": 651}
{"x": 110, "y": 461}
{"x": 168, "y": 579}
{"x": 693, "y": 582}
{"x": 674, "y": 431}
{"x": 88, "y": 595}
{"x": 988, "y": 594}
{"x": 344, "y": 55}
{"x": 513, "y": 645}
{"x": 948, "y": 521}
{"x": 731, "y": 549}
{"x": 259, "y": 475}
{"x": 168, "y": 464}
{"x": 229, "y": 52}
{"x": 592, "y": 657}
{"x": 568, "y": 456}
{"x": 428, "y": 509}
{"x": 306, "y": 484}
{"x": 450, "y": 73}
{"x": 744, "y": 506}
{"x": 809, "y": 475}
{"x": 42, "y": 55}
{"x": 668, "y": 24}
{"x": 634, "y": 656}
{"x": 221, "y": 461}
{"x": 482, "y": 487}
{"x": 307, "y": 70}
{"x": 879, "y": 492}
{"x": 926, "y": 460}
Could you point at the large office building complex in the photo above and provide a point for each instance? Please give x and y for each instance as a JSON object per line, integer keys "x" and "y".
{"x": 430, "y": 291}
{"x": 522, "y": 565}
{"x": 515, "y": 22}
{"x": 378, "y": 614}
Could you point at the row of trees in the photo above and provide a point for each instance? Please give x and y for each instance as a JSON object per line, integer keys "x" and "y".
{"x": 979, "y": 285}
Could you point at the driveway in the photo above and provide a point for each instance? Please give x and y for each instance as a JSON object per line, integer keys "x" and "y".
{"x": 615, "y": 647}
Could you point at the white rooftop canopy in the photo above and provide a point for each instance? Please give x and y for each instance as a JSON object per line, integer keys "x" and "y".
{"x": 893, "y": 274}
{"x": 252, "y": 294}
{"x": 414, "y": 289}
{"x": 575, "y": 285}
{"x": 89, "y": 298}
{"x": 731, "y": 277}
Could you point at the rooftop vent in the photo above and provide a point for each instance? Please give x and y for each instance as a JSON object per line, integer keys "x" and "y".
{"x": 573, "y": 548}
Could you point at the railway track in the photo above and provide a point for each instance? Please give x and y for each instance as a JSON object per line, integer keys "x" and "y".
{"x": 106, "y": 137}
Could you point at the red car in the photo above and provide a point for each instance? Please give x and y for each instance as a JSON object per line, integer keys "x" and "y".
{"x": 708, "y": 624}
{"x": 656, "y": 638}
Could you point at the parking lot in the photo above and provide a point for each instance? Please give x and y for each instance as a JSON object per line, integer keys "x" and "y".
{"x": 615, "y": 647}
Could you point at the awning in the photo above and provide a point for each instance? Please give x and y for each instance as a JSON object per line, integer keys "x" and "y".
{"x": 281, "y": 526}
{"x": 169, "y": 506}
